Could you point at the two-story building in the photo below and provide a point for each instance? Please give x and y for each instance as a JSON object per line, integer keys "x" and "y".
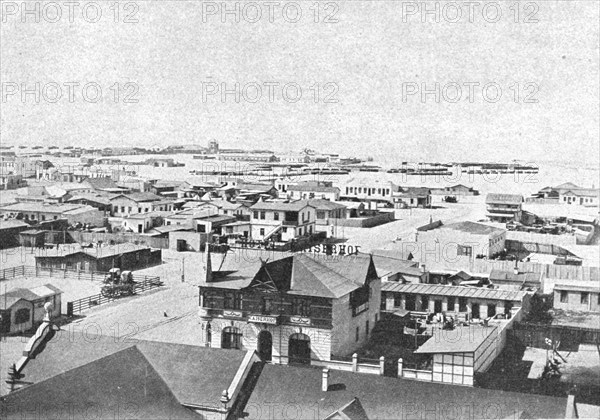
{"x": 282, "y": 221}
{"x": 291, "y": 309}
{"x": 504, "y": 207}
{"x": 135, "y": 203}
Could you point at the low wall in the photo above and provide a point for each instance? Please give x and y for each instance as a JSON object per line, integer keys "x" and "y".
{"x": 540, "y": 238}
{"x": 353, "y": 366}
{"x": 360, "y": 222}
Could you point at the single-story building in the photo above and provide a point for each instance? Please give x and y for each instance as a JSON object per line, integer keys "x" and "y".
{"x": 463, "y": 302}
{"x": 577, "y": 295}
{"x": 126, "y": 256}
{"x": 9, "y": 232}
{"x": 22, "y": 309}
{"x": 517, "y": 280}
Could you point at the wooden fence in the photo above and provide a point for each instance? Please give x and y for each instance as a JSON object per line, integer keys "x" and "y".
{"x": 85, "y": 303}
{"x": 12, "y": 272}
{"x": 535, "y": 335}
{"x": 119, "y": 238}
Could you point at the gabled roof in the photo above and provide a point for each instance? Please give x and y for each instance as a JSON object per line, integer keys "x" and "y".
{"x": 33, "y": 293}
{"x": 109, "y": 385}
{"x": 413, "y": 192}
{"x": 567, "y": 185}
{"x": 139, "y": 196}
{"x": 281, "y": 205}
{"x": 12, "y": 224}
{"x": 192, "y": 374}
{"x": 383, "y": 397}
{"x": 319, "y": 276}
{"x": 351, "y": 411}
{"x": 99, "y": 183}
{"x": 494, "y": 198}
{"x": 321, "y": 204}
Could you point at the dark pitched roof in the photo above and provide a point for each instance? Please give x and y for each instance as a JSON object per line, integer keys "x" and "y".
{"x": 351, "y": 411}
{"x": 101, "y": 182}
{"x": 321, "y": 204}
{"x": 124, "y": 382}
{"x": 319, "y": 276}
{"x": 280, "y": 205}
{"x": 139, "y": 196}
{"x": 384, "y": 397}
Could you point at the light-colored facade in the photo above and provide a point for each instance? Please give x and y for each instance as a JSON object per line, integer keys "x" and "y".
{"x": 504, "y": 207}
{"x": 369, "y": 190}
{"x": 319, "y": 308}
{"x": 463, "y": 239}
{"x": 581, "y": 296}
{"x": 41, "y": 212}
{"x": 282, "y": 221}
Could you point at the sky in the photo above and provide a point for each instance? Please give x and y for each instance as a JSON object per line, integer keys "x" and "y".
{"x": 362, "y": 78}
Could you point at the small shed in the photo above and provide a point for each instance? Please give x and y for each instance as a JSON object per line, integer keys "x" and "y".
{"x": 23, "y": 309}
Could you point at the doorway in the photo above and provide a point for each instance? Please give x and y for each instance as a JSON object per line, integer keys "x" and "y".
{"x": 265, "y": 346}
{"x": 437, "y": 306}
{"x": 475, "y": 310}
{"x": 299, "y": 349}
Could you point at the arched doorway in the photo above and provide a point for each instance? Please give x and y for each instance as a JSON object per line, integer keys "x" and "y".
{"x": 231, "y": 338}
{"x": 299, "y": 349}
{"x": 265, "y": 345}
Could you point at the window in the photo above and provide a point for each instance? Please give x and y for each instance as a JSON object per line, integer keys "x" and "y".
{"x": 397, "y": 300}
{"x": 367, "y": 327}
{"x": 585, "y": 298}
{"x": 462, "y": 304}
{"x": 564, "y": 297}
{"x": 357, "y": 333}
{"x": 232, "y": 300}
{"x": 43, "y": 218}
{"x": 231, "y": 338}
{"x": 451, "y": 303}
{"x": 122, "y": 209}
{"x": 262, "y": 232}
{"x": 424, "y": 303}
{"x": 139, "y": 209}
{"x": 320, "y": 214}
{"x": 276, "y": 216}
{"x": 209, "y": 300}
{"x": 129, "y": 208}
{"x": 359, "y": 300}
{"x": 255, "y": 215}
{"x": 300, "y": 307}
{"x": 262, "y": 215}
{"x": 22, "y": 316}
{"x": 267, "y": 305}
{"x": 464, "y": 250}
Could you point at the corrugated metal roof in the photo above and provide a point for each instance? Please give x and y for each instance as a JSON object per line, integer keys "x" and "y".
{"x": 470, "y": 338}
{"x": 458, "y": 291}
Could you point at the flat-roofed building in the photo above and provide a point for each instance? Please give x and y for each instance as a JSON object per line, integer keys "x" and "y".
{"x": 464, "y": 239}
{"x": 462, "y": 302}
{"x": 504, "y": 207}
{"x": 577, "y": 295}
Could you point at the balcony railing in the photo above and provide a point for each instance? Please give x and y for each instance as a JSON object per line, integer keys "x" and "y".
{"x": 260, "y": 318}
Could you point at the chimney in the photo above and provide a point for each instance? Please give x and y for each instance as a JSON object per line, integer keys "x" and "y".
{"x": 325, "y": 382}
{"x": 207, "y": 265}
{"x": 422, "y": 267}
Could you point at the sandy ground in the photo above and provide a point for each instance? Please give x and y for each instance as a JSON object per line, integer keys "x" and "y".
{"x": 582, "y": 367}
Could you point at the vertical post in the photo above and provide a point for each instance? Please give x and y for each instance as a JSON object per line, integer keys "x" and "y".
{"x": 381, "y": 365}
{"x": 399, "y": 367}
{"x": 355, "y": 362}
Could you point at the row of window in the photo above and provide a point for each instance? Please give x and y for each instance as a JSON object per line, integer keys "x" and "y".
{"x": 574, "y": 199}
{"x": 584, "y": 297}
{"x": 234, "y": 301}
{"x": 32, "y": 217}
{"x": 411, "y": 304}
{"x": 368, "y": 191}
